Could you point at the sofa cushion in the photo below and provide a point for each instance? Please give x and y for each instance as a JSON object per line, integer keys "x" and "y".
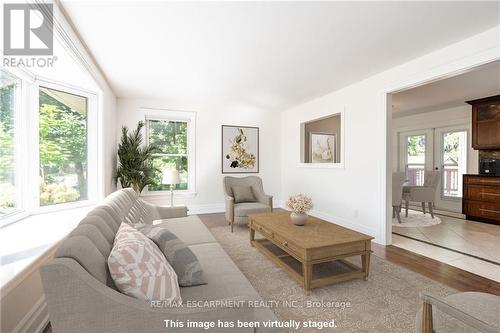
{"x": 246, "y": 208}
{"x": 81, "y": 249}
{"x": 243, "y": 194}
{"x": 189, "y": 229}
{"x": 140, "y": 270}
{"x": 186, "y": 265}
{"x": 224, "y": 280}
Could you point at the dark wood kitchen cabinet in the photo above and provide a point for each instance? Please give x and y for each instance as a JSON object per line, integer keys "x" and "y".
{"x": 481, "y": 198}
{"x": 486, "y": 122}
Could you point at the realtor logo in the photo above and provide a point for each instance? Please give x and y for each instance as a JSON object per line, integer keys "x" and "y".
{"x": 28, "y": 29}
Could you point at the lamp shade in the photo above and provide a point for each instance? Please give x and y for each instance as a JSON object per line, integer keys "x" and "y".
{"x": 170, "y": 176}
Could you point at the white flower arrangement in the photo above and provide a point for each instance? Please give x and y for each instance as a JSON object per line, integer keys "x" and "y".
{"x": 299, "y": 203}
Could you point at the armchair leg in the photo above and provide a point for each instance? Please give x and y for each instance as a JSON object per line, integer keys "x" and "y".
{"x": 393, "y": 211}
{"x": 430, "y": 209}
{"x": 232, "y": 224}
{"x": 398, "y": 215}
{"x": 406, "y": 207}
{"x": 423, "y": 207}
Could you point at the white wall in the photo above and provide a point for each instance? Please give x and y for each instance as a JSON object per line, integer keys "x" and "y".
{"x": 209, "y": 197}
{"x": 356, "y": 196}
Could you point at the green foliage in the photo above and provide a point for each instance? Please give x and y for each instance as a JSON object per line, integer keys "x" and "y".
{"x": 416, "y": 145}
{"x": 169, "y": 136}
{"x": 135, "y": 168}
{"x": 6, "y": 134}
{"x": 56, "y": 193}
{"x": 63, "y": 150}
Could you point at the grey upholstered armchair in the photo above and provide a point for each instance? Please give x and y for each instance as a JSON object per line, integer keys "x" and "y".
{"x": 237, "y": 211}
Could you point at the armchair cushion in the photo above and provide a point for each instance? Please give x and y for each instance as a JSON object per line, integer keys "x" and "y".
{"x": 243, "y": 194}
{"x": 246, "y": 208}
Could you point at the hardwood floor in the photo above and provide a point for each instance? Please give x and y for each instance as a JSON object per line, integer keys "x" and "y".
{"x": 433, "y": 269}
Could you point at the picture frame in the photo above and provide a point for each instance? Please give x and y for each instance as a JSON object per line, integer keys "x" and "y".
{"x": 239, "y": 149}
{"x": 322, "y": 147}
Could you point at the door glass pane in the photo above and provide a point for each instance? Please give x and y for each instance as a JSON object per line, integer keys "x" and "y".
{"x": 415, "y": 159}
{"x": 8, "y": 85}
{"x": 454, "y": 160}
{"x": 63, "y": 147}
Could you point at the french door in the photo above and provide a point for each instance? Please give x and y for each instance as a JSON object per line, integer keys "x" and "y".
{"x": 444, "y": 149}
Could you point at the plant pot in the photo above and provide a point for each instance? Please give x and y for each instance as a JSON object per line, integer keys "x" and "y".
{"x": 298, "y": 218}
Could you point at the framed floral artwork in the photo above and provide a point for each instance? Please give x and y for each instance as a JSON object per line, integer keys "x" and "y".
{"x": 240, "y": 149}
{"x": 322, "y": 147}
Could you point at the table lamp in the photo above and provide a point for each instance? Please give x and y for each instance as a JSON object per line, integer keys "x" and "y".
{"x": 170, "y": 177}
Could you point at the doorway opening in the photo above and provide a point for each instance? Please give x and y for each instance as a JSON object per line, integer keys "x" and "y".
{"x": 430, "y": 151}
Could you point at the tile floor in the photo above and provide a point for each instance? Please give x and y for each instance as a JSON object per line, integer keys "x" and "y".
{"x": 469, "y": 264}
{"x": 475, "y": 238}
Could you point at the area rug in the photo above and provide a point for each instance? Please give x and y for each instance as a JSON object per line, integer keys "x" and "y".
{"x": 416, "y": 219}
{"x": 387, "y": 302}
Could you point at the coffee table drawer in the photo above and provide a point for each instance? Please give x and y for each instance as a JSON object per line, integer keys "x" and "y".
{"x": 263, "y": 231}
{"x": 288, "y": 246}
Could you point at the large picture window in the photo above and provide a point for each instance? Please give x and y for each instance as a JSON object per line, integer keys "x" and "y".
{"x": 63, "y": 147}
{"x": 9, "y": 94}
{"x": 48, "y": 146}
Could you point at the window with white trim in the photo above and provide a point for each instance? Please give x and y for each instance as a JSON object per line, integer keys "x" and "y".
{"x": 173, "y": 138}
{"x": 48, "y": 147}
{"x": 10, "y": 191}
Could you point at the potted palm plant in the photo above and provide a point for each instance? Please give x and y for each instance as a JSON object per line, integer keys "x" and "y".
{"x": 135, "y": 168}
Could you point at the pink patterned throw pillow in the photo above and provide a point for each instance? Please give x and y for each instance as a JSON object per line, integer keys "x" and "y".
{"x": 140, "y": 270}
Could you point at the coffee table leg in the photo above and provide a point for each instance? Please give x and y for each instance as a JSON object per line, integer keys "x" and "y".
{"x": 307, "y": 270}
{"x": 252, "y": 235}
{"x": 365, "y": 259}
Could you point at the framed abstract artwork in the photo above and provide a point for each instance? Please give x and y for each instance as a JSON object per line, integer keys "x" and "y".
{"x": 322, "y": 147}
{"x": 240, "y": 149}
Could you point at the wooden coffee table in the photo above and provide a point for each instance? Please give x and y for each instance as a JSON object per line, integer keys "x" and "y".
{"x": 298, "y": 248}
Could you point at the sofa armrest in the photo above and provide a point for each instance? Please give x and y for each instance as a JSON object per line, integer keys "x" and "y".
{"x": 77, "y": 302}
{"x": 165, "y": 212}
{"x": 229, "y": 204}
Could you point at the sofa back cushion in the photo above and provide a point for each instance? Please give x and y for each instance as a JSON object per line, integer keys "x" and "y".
{"x": 140, "y": 270}
{"x": 81, "y": 249}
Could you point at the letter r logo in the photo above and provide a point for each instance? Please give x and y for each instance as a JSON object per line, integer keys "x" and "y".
{"x": 28, "y": 29}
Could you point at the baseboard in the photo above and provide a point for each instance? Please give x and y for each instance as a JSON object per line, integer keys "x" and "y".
{"x": 36, "y": 319}
{"x": 206, "y": 209}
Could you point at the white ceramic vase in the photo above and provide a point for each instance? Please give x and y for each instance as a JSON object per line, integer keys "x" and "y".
{"x": 298, "y": 218}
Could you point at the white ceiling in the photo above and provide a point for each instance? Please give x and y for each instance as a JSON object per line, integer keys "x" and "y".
{"x": 270, "y": 55}
{"x": 451, "y": 92}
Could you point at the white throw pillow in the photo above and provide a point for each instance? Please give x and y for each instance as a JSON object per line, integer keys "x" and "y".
{"x": 140, "y": 270}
